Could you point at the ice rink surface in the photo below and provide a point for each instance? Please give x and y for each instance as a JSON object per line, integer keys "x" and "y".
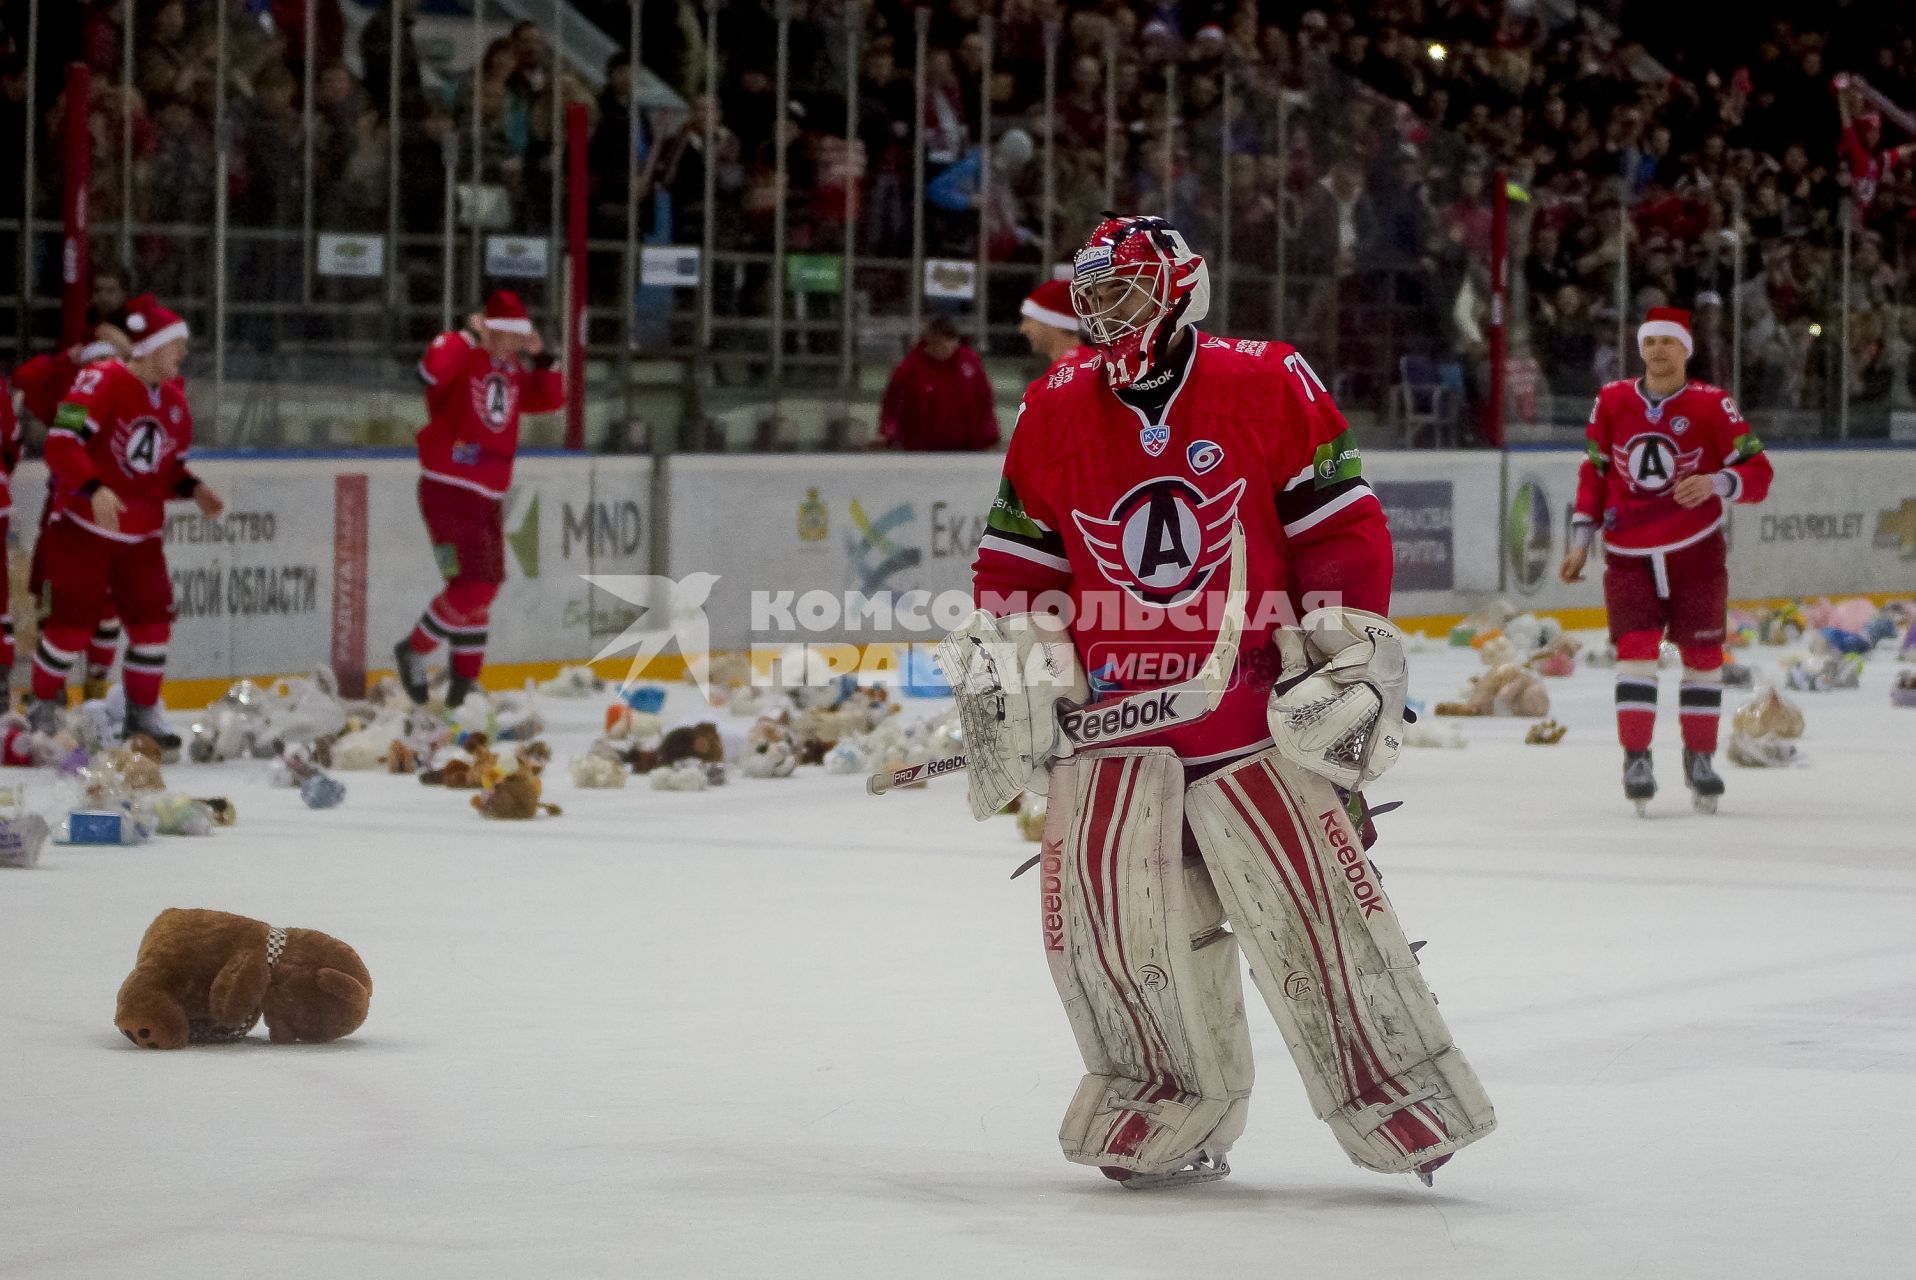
{"x": 786, "y": 1030}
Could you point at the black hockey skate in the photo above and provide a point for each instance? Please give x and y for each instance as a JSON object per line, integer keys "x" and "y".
{"x": 457, "y": 687}
{"x": 412, "y": 672}
{"x": 1700, "y": 775}
{"x": 1639, "y": 780}
{"x": 152, "y": 723}
{"x": 1201, "y": 1166}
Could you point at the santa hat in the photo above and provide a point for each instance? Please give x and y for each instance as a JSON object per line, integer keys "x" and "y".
{"x": 151, "y": 326}
{"x": 506, "y": 314}
{"x": 1667, "y": 322}
{"x": 1050, "y": 303}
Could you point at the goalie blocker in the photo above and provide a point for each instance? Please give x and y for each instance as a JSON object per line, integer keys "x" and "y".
{"x": 1142, "y": 929}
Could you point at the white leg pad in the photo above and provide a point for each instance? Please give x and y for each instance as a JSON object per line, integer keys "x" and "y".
{"x": 1334, "y": 967}
{"x": 1147, "y": 972}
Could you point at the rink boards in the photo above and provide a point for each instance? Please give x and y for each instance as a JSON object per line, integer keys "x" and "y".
{"x": 324, "y": 560}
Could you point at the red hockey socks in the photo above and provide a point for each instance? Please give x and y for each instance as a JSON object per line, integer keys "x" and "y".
{"x": 1701, "y": 698}
{"x": 458, "y": 618}
{"x": 1637, "y": 688}
{"x": 145, "y": 664}
{"x": 60, "y": 648}
{"x": 103, "y": 648}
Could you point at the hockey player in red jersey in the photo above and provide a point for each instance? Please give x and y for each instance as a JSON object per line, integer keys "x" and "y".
{"x": 9, "y": 458}
{"x": 478, "y": 382}
{"x": 1664, "y": 457}
{"x": 43, "y": 383}
{"x": 1169, "y": 509}
{"x": 117, "y": 451}
{"x": 1050, "y": 325}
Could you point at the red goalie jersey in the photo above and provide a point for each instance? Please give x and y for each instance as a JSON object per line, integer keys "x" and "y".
{"x": 1637, "y": 451}
{"x": 475, "y": 403}
{"x": 114, "y": 430}
{"x": 1131, "y": 515}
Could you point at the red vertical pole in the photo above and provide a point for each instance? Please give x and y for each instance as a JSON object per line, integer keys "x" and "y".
{"x": 578, "y": 201}
{"x": 76, "y": 273}
{"x": 1499, "y": 304}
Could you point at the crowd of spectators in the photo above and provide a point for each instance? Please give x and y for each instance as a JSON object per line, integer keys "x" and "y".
{"x": 1349, "y": 145}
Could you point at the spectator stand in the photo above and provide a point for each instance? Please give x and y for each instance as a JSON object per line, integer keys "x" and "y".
{"x": 780, "y": 193}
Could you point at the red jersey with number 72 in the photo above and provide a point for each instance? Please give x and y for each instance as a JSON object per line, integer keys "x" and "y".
{"x": 130, "y": 437}
{"x": 1128, "y": 513}
{"x": 1636, "y": 449}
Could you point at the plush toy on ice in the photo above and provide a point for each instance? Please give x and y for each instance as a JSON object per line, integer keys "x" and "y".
{"x": 207, "y": 977}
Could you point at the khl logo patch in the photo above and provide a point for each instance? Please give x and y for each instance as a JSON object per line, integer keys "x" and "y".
{"x": 1154, "y": 439}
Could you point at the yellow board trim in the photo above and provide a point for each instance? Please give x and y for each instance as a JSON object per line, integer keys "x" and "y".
{"x": 505, "y": 676}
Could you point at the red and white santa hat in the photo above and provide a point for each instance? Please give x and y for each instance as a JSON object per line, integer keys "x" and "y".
{"x": 1667, "y": 322}
{"x": 1050, "y": 303}
{"x": 151, "y": 326}
{"x": 506, "y": 314}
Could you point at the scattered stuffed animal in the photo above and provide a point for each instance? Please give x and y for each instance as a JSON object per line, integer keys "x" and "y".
{"x": 291, "y": 767}
{"x": 1783, "y": 625}
{"x": 1498, "y": 651}
{"x": 464, "y": 773}
{"x": 692, "y": 742}
{"x": 1738, "y": 676}
{"x": 686, "y": 775}
{"x": 811, "y": 751}
{"x": 623, "y": 723}
{"x": 180, "y": 815}
{"x": 515, "y": 796}
{"x": 207, "y": 977}
{"x": 1836, "y": 671}
{"x": 846, "y": 758}
{"x": 1769, "y": 714}
{"x": 573, "y": 682}
{"x": 224, "y": 814}
{"x": 1507, "y": 690}
{"x": 1828, "y": 640}
{"x": 401, "y": 758}
{"x": 716, "y": 773}
{"x": 136, "y": 771}
{"x": 594, "y": 772}
{"x": 1557, "y": 661}
{"x": 1903, "y": 692}
{"x": 359, "y": 750}
{"x": 1766, "y": 752}
{"x": 770, "y": 758}
{"x": 322, "y": 791}
{"x": 1544, "y": 733}
{"x": 145, "y": 745}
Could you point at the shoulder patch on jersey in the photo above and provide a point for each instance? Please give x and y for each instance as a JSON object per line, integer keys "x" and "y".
{"x": 1744, "y": 447}
{"x": 71, "y": 417}
{"x": 1594, "y": 452}
{"x": 1252, "y": 347}
{"x": 1337, "y": 461}
{"x": 1008, "y": 513}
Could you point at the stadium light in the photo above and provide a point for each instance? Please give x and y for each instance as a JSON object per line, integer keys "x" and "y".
{"x": 1437, "y": 52}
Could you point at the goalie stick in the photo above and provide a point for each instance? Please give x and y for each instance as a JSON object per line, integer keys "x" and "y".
{"x": 1118, "y": 719}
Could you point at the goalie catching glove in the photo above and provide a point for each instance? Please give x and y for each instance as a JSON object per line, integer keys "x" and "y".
{"x": 1338, "y": 706}
{"x": 1009, "y": 674}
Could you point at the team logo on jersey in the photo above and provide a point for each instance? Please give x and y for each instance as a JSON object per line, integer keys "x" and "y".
{"x": 142, "y": 446}
{"x": 493, "y": 397}
{"x": 1154, "y": 439}
{"x": 1679, "y": 424}
{"x": 1653, "y": 463}
{"x": 1204, "y": 455}
{"x": 1164, "y": 539}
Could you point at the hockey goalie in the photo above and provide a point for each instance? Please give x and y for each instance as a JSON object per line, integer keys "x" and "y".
{"x": 1182, "y": 639}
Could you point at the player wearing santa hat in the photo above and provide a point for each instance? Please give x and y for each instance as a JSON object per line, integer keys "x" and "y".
{"x": 1665, "y": 455}
{"x": 117, "y": 450}
{"x": 1050, "y": 325}
{"x": 479, "y": 381}
{"x": 43, "y": 383}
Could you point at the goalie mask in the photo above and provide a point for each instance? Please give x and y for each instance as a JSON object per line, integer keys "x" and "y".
{"x": 1134, "y": 285}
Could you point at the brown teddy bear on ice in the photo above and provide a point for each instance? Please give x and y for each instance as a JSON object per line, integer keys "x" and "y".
{"x": 207, "y": 977}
